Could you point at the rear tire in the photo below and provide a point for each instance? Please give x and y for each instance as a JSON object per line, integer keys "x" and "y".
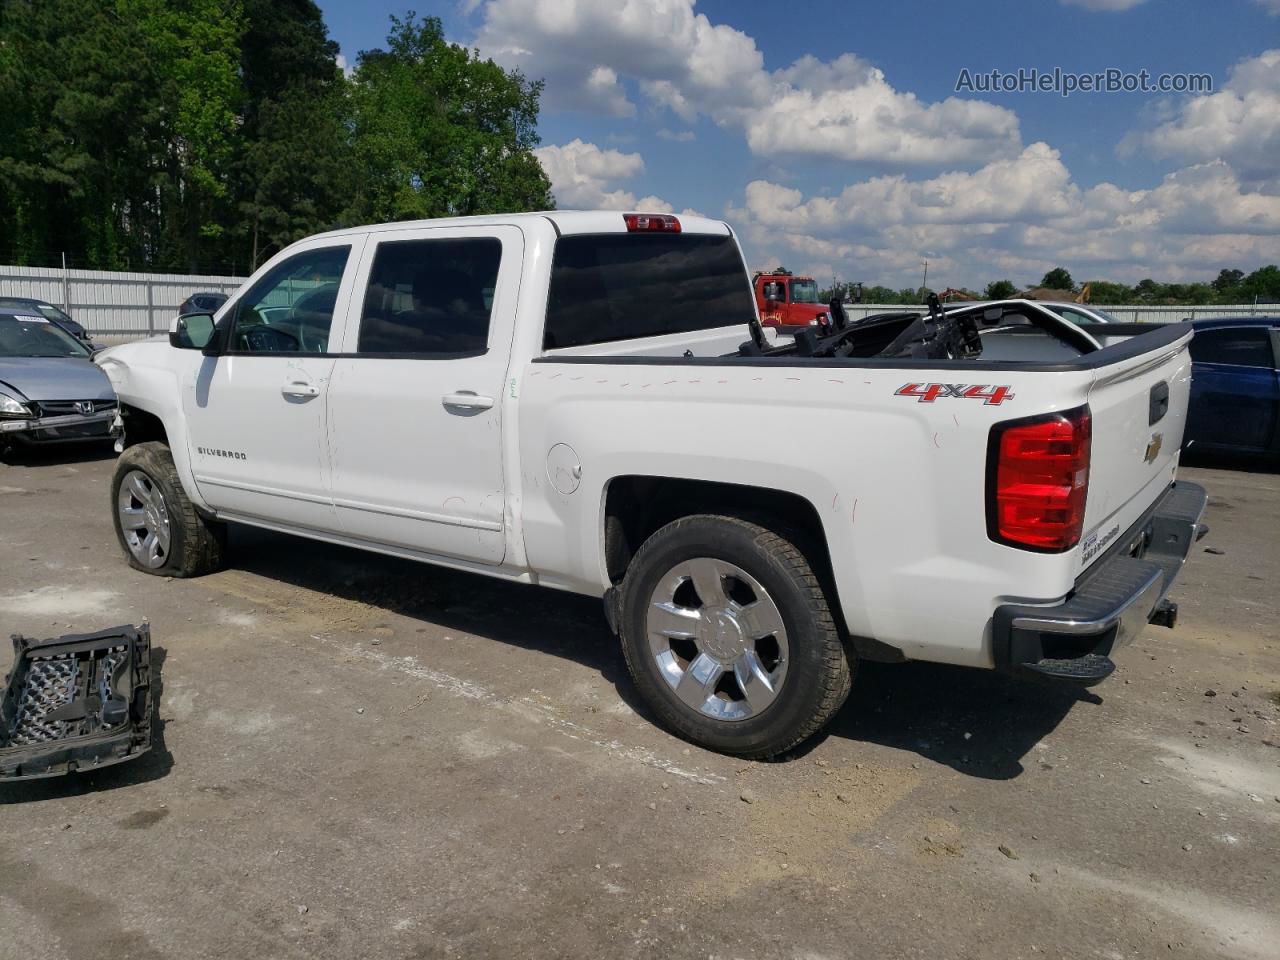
{"x": 756, "y": 665}
{"x": 156, "y": 523}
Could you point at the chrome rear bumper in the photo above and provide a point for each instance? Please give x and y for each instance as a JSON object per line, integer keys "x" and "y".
{"x": 1111, "y": 604}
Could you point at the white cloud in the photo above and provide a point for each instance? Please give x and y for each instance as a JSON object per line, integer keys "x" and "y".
{"x": 1016, "y": 217}
{"x": 589, "y": 50}
{"x": 678, "y": 136}
{"x": 1032, "y": 186}
{"x": 1111, "y": 5}
{"x": 1272, "y": 6}
{"x": 848, "y": 111}
{"x": 1239, "y": 124}
{"x": 582, "y": 174}
{"x": 602, "y": 86}
{"x": 585, "y": 177}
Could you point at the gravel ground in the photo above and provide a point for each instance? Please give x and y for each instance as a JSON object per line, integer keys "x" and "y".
{"x": 358, "y": 756}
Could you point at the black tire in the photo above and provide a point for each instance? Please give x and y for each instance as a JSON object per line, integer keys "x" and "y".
{"x": 819, "y": 671}
{"x": 196, "y": 545}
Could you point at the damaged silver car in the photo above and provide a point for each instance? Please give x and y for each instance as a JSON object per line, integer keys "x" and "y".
{"x": 50, "y": 389}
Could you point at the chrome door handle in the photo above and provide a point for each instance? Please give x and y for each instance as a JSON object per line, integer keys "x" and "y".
{"x": 299, "y": 388}
{"x": 465, "y": 398}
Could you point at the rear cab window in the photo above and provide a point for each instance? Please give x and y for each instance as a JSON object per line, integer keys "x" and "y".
{"x": 624, "y": 286}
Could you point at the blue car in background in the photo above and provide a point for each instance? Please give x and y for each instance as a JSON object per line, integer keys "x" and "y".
{"x": 1235, "y": 386}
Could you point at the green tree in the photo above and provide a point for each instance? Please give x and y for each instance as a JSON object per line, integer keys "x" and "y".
{"x": 296, "y": 174}
{"x": 1104, "y": 291}
{"x": 1262, "y": 283}
{"x": 1227, "y": 280}
{"x": 193, "y": 47}
{"x": 1199, "y": 293}
{"x": 437, "y": 131}
{"x": 999, "y": 290}
{"x": 1147, "y": 290}
{"x": 1058, "y": 279}
{"x": 294, "y": 171}
{"x": 117, "y": 126}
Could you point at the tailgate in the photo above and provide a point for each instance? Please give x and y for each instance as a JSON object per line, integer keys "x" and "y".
{"x": 1139, "y": 409}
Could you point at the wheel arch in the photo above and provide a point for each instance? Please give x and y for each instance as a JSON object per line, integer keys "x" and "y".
{"x": 638, "y": 505}
{"x": 141, "y": 426}
{"x": 163, "y": 426}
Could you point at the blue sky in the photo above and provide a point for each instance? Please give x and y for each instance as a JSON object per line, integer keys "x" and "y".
{"x": 835, "y": 142}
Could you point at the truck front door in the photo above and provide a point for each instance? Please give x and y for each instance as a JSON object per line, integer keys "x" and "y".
{"x": 415, "y": 408}
{"x": 256, "y": 413}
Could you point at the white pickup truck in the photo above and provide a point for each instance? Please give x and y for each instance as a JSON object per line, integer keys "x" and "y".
{"x": 586, "y": 401}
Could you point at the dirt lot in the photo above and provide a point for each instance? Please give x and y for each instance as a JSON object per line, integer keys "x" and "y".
{"x": 362, "y": 757}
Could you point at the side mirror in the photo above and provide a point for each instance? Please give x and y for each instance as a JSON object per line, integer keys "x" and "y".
{"x": 193, "y": 331}
{"x": 216, "y": 345}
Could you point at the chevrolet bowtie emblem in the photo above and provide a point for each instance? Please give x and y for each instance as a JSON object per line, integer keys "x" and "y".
{"x": 1153, "y": 448}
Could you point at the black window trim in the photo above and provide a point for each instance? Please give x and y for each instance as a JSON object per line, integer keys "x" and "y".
{"x": 1269, "y": 335}
{"x": 232, "y": 316}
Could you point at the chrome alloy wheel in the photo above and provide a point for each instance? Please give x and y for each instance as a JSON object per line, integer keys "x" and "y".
{"x": 718, "y": 639}
{"x": 144, "y": 519}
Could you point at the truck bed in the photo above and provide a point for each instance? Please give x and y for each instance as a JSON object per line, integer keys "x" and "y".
{"x": 877, "y": 446}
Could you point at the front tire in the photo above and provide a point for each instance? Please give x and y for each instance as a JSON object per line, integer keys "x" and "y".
{"x": 156, "y": 523}
{"x": 729, "y": 638}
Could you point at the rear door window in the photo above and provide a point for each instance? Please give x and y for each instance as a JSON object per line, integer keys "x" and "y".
{"x": 607, "y": 287}
{"x": 1244, "y": 347}
{"x": 430, "y": 297}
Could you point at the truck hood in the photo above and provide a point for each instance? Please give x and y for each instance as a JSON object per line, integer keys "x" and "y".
{"x": 55, "y": 378}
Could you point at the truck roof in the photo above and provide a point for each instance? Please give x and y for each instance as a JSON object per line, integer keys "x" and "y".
{"x": 564, "y": 221}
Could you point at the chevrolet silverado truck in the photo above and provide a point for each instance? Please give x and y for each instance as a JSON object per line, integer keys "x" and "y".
{"x": 587, "y": 401}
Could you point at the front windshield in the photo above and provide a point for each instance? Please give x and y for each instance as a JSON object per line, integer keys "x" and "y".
{"x": 36, "y": 337}
{"x": 804, "y": 291}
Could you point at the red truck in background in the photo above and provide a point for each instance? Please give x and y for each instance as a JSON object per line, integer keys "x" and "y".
{"x": 785, "y": 300}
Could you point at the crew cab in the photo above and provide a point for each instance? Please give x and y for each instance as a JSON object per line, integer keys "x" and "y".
{"x": 785, "y": 300}
{"x": 587, "y": 401}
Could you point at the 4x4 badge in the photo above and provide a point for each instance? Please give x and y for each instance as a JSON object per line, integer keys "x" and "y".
{"x": 929, "y": 392}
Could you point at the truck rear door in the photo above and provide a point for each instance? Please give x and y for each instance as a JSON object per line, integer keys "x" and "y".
{"x": 415, "y": 405}
{"x": 1139, "y": 410}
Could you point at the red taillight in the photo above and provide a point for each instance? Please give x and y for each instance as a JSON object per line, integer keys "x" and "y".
{"x": 1038, "y": 478}
{"x": 642, "y": 222}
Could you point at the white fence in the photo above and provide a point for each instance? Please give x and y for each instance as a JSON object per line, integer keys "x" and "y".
{"x": 108, "y": 303}
{"x": 856, "y": 311}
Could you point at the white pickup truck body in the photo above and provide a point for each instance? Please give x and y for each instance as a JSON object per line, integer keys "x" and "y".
{"x": 523, "y": 459}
